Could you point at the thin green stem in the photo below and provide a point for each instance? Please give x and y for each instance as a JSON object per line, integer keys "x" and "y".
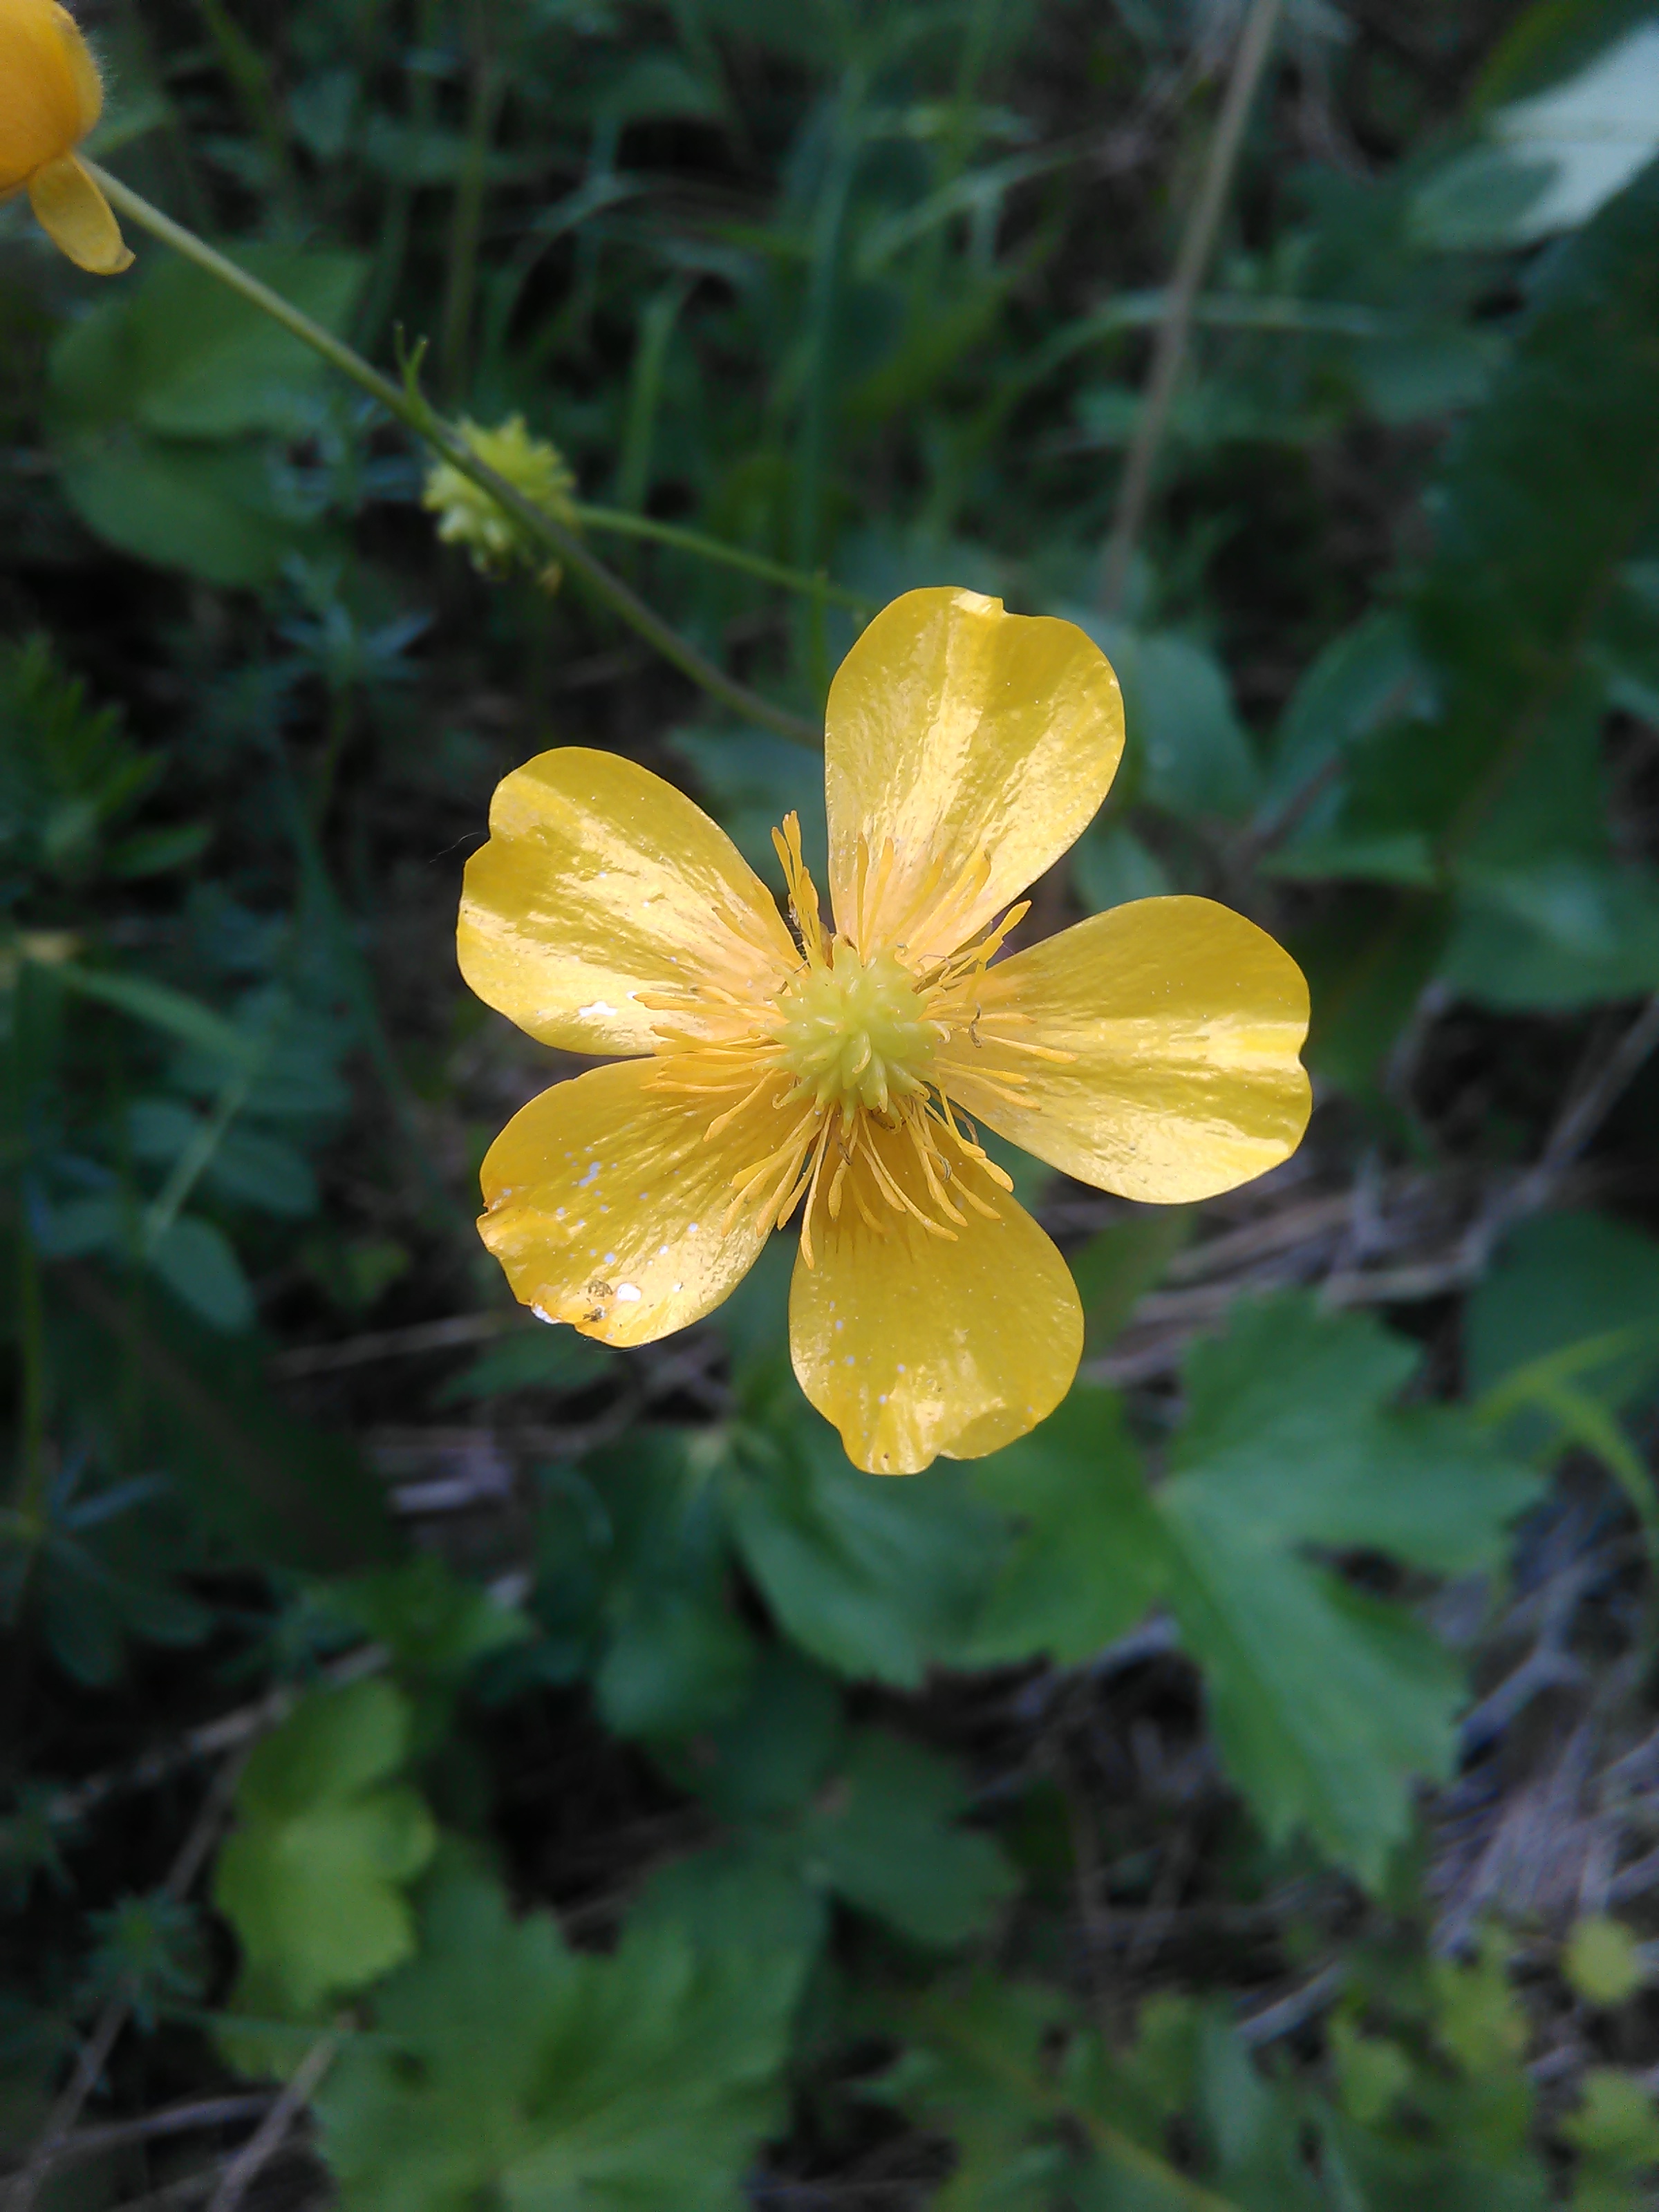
{"x": 621, "y": 525}
{"x": 409, "y": 406}
{"x": 196, "y": 1160}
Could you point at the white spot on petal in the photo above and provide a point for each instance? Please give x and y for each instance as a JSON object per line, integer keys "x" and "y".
{"x": 626, "y": 1294}
{"x": 598, "y": 1007}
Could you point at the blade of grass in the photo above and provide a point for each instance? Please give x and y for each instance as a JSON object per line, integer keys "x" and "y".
{"x": 1197, "y": 245}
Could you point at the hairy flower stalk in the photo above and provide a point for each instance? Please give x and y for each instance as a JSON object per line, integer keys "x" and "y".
{"x": 50, "y": 96}
{"x": 837, "y": 1068}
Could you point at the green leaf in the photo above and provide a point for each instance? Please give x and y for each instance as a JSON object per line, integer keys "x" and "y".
{"x": 883, "y": 1835}
{"x": 1043, "y": 2114}
{"x": 1550, "y": 161}
{"x": 875, "y": 1579}
{"x": 1543, "y": 498}
{"x": 1118, "y": 1266}
{"x": 522, "y": 2073}
{"x": 1566, "y": 931}
{"x": 312, "y": 1878}
{"x": 184, "y": 357}
{"x": 435, "y": 1625}
{"x": 196, "y": 1262}
{"x": 764, "y": 1761}
{"x": 975, "y": 2066}
{"x": 159, "y": 1006}
{"x": 1110, "y": 867}
{"x": 211, "y": 510}
{"x": 253, "y": 1169}
{"x": 1326, "y": 1703}
{"x": 1186, "y": 747}
{"x": 1564, "y": 1280}
{"x": 1091, "y": 1558}
{"x": 866, "y": 1817}
{"x": 1354, "y": 692}
{"x": 161, "y": 398}
{"x": 536, "y": 1359}
{"x": 634, "y": 1574}
{"x": 1617, "y": 2124}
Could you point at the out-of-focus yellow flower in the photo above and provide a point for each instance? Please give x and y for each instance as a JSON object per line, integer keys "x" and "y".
{"x": 1150, "y": 1050}
{"x": 50, "y": 95}
{"x": 468, "y": 516}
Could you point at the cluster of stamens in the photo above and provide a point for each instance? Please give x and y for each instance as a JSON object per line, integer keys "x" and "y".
{"x": 857, "y": 1041}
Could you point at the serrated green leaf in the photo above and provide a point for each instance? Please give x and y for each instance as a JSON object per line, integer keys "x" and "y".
{"x": 875, "y": 1579}
{"x": 552, "y": 2081}
{"x": 1091, "y": 1558}
{"x": 765, "y": 1761}
{"x": 312, "y": 1878}
{"x": 1326, "y": 1703}
{"x": 634, "y": 1573}
{"x": 883, "y": 1835}
{"x": 436, "y": 1626}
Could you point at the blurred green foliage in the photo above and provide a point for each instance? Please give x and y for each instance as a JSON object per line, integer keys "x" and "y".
{"x": 641, "y": 1808}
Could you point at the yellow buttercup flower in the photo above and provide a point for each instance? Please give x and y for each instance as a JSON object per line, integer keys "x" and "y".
{"x": 1150, "y": 1050}
{"x": 50, "y": 95}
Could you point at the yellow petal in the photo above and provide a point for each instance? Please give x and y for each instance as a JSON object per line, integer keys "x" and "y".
{"x": 601, "y": 882}
{"x": 1184, "y": 1020}
{"x": 607, "y": 1205}
{"x": 981, "y": 742}
{"x": 76, "y": 217}
{"x": 914, "y": 1346}
{"x": 83, "y": 70}
{"x": 42, "y": 89}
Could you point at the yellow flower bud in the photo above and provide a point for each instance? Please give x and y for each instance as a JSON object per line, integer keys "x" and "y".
{"x": 468, "y": 516}
{"x": 50, "y": 95}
